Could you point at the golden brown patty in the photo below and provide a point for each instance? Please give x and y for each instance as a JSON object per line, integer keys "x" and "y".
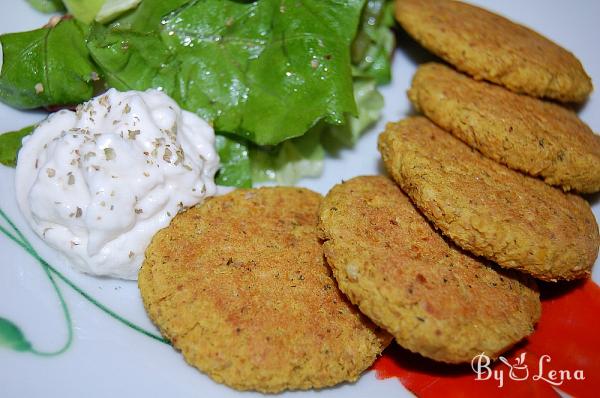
{"x": 527, "y": 134}
{"x": 488, "y": 46}
{"x": 239, "y": 285}
{"x": 489, "y": 209}
{"x": 432, "y": 297}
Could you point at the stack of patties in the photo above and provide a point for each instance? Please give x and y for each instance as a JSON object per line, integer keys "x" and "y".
{"x": 446, "y": 258}
{"x": 458, "y": 166}
{"x": 505, "y": 120}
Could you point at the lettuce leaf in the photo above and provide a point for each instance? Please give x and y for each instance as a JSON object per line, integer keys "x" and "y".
{"x": 289, "y": 161}
{"x": 375, "y": 41}
{"x": 304, "y": 156}
{"x": 264, "y": 70}
{"x": 235, "y": 169}
{"x": 10, "y": 143}
{"x": 48, "y": 66}
{"x": 371, "y": 65}
{"x": 244, "y": 163}
{"x": 370, "y": 103}
{"x": 83, "y": 10}
{"x": 47, "y": 6}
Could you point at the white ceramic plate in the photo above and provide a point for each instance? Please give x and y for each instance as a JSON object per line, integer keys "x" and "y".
{"x": 95, "y": 354}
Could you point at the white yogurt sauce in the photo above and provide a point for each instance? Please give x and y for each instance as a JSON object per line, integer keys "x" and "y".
{"x": 98, "y": 183}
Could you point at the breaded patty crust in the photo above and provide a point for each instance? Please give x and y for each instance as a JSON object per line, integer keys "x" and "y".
{"x": 239, "y": 284}
{"x": 488, "y": 209}
{"x": 434, "y": 298}
{"x": 488, "y": 46}
{"x": 537, "y": 137}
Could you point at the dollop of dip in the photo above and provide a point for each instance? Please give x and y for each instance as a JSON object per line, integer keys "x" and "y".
{"x": 98, "y": 183}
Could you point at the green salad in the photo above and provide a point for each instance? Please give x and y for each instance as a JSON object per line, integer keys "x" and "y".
{"x": 279, "y": 80}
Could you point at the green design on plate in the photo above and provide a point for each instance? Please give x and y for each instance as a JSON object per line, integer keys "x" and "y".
{"x": 11, "y": 335}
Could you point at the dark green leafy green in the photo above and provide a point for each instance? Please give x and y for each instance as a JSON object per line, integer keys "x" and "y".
{"x": 47, "y": 5}
{"x": 303, "y": 156}
{"x": 234, "y": 168}
{"x": 371, "y": 55}
{"x": 12, "y": 337}
{"x": 10, "y": 143}
{"x": 148, "y": 16}
{"x": 374, "y": 42}
{"x": 264, "y": 70}
{"x": 48, "y": 66}
{"x": 84, "y": 10}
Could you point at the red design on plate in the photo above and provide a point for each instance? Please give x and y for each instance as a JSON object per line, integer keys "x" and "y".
{"x": 568, "y": 331}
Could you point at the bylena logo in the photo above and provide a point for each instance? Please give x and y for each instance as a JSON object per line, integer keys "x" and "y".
{"x": 519, "y": 370}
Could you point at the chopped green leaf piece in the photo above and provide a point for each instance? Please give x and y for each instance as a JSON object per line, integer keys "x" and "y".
{"x": 48, "y": 66}
{"x": 83, "y": 10}
{"x": 10, "y": 144}
{"x": 290, "y": 160}
{"x": 235, "y": 163}
{"x": 111, "y": 9}
{"x": 374, "y": 43}
{"x": 47, "y": 6}
{"x": 370, "y": 103}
